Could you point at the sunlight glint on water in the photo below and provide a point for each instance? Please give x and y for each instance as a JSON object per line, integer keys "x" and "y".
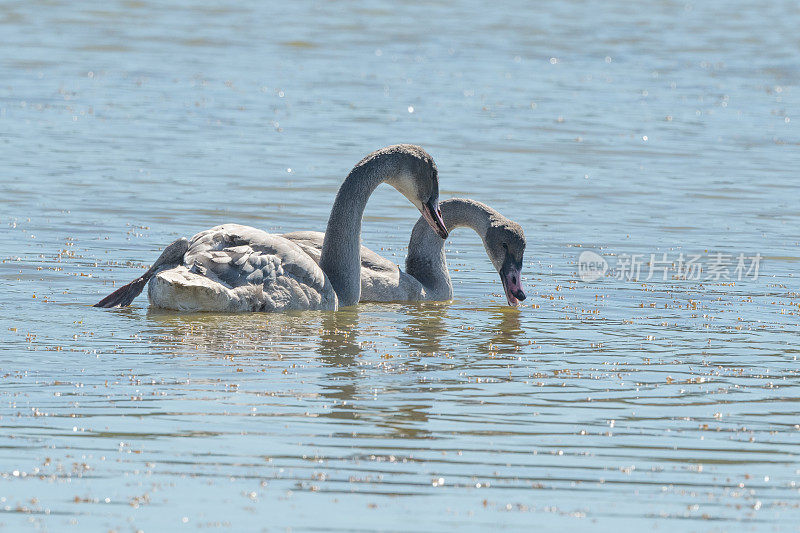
{"x": 665, "y": 128}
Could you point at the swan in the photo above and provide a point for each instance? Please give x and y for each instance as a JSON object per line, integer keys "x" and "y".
{"x": 426, "y": 276}
{"x": 238, "y": 268}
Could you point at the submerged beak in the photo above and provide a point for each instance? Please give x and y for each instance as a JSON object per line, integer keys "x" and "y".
{"x": 433, "y": 215}
{"x": 512, "y": 284}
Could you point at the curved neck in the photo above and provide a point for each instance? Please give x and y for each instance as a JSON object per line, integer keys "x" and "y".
{"x": 341, "y": 249}
{"x": 426, "y": 259}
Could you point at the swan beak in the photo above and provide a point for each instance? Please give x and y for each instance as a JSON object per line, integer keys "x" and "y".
{"x": 433, "y": 215}
{"x": 512, "y": 284}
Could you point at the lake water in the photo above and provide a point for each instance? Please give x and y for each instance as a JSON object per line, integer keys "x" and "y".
{"x": 623, "y": 129}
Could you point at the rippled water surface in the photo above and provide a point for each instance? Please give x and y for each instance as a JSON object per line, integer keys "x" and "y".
{"x": 622, "y": 128}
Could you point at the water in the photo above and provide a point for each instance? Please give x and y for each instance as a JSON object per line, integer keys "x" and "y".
{"x": 663, "y": 128}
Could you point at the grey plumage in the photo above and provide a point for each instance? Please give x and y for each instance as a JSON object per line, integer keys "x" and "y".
{"x": 239, "y": 268}
{"x": 427, "y": 276}
{"x": 503, "y": 240}
{"x": 407, "y": 168}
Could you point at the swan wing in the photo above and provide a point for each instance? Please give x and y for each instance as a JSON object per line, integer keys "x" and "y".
{"x": 239, "y": 268}
{"x": 381, "y": 279}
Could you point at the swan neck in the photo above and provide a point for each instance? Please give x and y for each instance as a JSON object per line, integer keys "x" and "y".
{"x": 463, "y": 213}
{"x": 341, "y": 248}
{"x": 426, "y": 260}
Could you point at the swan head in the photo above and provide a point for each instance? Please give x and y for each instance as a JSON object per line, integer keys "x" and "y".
{"x": 505, "y": 244}
{"x": 417, "y": 178}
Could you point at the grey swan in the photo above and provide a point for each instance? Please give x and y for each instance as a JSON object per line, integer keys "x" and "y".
{"x": 238, "y": 268}
{"x": 426, "y": 276}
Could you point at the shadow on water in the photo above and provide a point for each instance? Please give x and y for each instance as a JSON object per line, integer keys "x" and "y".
{"x": 338, "y": 343}
{"x": 426, "y": 331}
{"x": 354, "y": 383}
{"x": 219, "y": 334}
{"x": 338, "y": 349}
{"x": 503, "y": 329}
{"x": 357, "y": 385}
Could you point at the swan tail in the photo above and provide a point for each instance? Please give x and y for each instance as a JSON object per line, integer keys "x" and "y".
{"x": 122, "y": 297}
